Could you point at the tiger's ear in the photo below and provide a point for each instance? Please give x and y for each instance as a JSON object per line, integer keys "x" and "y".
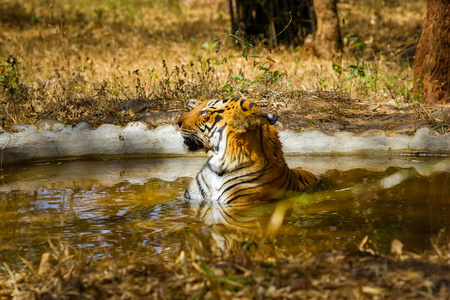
{"x": 272, "y": 119}
{"x": 255, "y": 120}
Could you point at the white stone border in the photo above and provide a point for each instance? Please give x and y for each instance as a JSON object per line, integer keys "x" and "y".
{"x": 28, "y": 143}
{"x": 315, "y": 141}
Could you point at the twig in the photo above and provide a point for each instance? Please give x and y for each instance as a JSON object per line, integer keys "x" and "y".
{"x": 428, "y": 114}
{"x": 6, "y": 144}
{"x": 12, "y": 276}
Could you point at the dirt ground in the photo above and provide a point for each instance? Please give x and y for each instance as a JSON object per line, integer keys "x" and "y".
{"x": 329, "y": 112}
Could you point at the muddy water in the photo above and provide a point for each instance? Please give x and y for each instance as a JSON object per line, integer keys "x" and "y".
{"x": 110, "y": 207}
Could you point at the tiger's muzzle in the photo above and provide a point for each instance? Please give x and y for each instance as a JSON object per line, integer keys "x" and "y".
{"x": 193, "y": 139}
{"x": 192, "y": 142}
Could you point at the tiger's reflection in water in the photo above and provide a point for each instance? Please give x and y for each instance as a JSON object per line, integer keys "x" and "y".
{"x": 230, "y": 225}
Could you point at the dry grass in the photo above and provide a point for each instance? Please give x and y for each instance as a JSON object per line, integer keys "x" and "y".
{"x": 246, "y": 271}
{"x": 80, "y": 60}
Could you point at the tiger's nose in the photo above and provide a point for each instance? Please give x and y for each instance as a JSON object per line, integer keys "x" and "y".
{"x": 181, "y": 120}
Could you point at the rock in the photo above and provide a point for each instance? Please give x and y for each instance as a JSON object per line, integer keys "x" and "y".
{"x": 2, "y": 129}
{"x": 23, "y": 128}
{"x": 135, "y": 127}
{"x": 392, "y": 103}
{"x": 50, "y": 125}
{"x": 82, "y": 126}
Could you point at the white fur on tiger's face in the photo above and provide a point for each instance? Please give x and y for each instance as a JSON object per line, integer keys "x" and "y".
{"x": 246, "y": 163}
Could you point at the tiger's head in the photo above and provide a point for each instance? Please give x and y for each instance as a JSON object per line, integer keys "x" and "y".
{"x": 210, "y": 125}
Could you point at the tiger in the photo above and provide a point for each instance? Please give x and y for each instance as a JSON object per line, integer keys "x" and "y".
{"x": 245, "y": 163}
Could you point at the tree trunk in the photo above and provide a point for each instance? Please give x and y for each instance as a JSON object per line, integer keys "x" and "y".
{"x": 432, "y": 60}
{"x": 327, "y": 41}
{"x": 276, "y": 21}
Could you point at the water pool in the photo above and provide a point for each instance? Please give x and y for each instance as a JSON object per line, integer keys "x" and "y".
{"x": 111, "y": 207}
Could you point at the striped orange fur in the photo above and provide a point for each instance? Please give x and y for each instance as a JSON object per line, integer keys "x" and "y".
{"x": 246, "y": 163}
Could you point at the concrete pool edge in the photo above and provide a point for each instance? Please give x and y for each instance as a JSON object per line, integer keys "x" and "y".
{"x": 62, "y": 174}
{"x": 28, "y": 143}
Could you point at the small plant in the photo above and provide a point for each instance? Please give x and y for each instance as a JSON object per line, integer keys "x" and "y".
{"x": 268, "y": 76}
{"x": 353, "y": 41}
{"x": 264, "y": 65}
{"x": 416, "y": 97}
{"x": 209, "y": 47}
{"x": 400, "y": 86}
{"x": 10, "y": 77}
{"x": 12, "y": 86}
{"x": 364, "y": 76}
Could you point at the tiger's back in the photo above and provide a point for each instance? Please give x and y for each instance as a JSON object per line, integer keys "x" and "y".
{"x": 246, "y": 163}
